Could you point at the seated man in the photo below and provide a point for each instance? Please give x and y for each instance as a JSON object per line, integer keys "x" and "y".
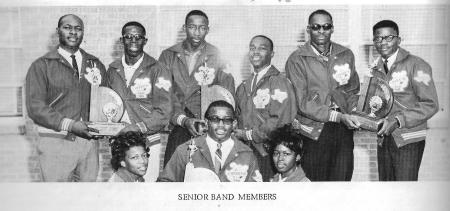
{"x": 217, "y": 151}
{"x": 129, "y": 157}
{"x": 286, "y": 150}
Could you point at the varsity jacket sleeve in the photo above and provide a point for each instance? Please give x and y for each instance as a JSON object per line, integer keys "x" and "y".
{"x": 38, "y": 109}
{"x": 308, "y": 103}
{"x": 254, "y": 175}
{"x": 426, "y": 100}
{"x": 176, "y": 167}
{"x": 351, "y": 89}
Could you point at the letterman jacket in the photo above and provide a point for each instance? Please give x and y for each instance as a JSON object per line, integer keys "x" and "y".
{"x": 318, "y": 84}
{"x": 415, "y": 98}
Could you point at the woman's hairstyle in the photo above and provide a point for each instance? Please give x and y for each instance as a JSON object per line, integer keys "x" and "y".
{"x": 287, "y": 137}
{"x": 122, "y": 143}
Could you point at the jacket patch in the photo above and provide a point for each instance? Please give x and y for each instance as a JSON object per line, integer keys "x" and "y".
{"x": 262, "y": 98}
{"x": 93, "y": 75}
{"x": 342, "y": 74}
{"x": 163, "y": 84}
{"x": 422, "y": 77}
{"x": 399, "y": 81}
{"x": 279, "y": 95}
{"x": 257, "y": 177}
{"x": 141, "y": 87}
{"x": 205, "y": 75}
{"x": 236, "y": 172}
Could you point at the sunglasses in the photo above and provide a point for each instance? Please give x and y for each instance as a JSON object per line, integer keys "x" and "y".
{"x": 325, "y": 27}
{"x": 137, "y": 37}
{"x": 388, "y": 38}
{"x": 216, "y": 120}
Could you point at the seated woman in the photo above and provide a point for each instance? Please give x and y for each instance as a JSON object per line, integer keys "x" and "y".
{"x": 129, "y": 157}
{"x": 286, "y": 150}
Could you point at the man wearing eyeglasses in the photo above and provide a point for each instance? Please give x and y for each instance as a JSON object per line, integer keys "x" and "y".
{"x": 57, "y": 93}
{"x": 326, "y": 86}
{"x": 218, "y": 153}
{"x": 402, "y": 136}
{"x": 264, "y": 102}
{"x": 145, "y": 87}
{"x": 188, "y": 62}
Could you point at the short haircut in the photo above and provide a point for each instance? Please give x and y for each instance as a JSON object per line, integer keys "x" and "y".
{"x": 66, "y": 15}
{"x": 219, "y": 103}
{"x": 122, "y": 143}
{"x": 386, "y": 23}
{"x": 287, "y": 137}
{"x": 263, "y": 36}
{"x": 133, "y": 23}
{"x": 196, "y": 12}
{"x": 319, "y": 12}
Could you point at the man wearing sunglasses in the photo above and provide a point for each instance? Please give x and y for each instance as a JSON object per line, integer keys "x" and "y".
{"x": 326, "y": 86}
{"x": 402, "y": 136}
{"x": 186, "y": 61}
{"x": 145, "y": 87}
{"x": 264, "y": 102}
{"x": 217, "y": 152}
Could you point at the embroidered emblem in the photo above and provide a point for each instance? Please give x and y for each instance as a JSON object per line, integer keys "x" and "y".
{"x": 422, "y": 77}
{"x": 262, "y": 98}
{"x": 93, "y": 75}
{"x": 163, "y": 84}
{"x": 204, "y": 75}
{"x": 279, "y": 95}
{"x": 342, "y": 74}
{"x": 141, "y": 87}
{"x": 399, "y": 81}
{"x": 257, "y": 177}
{"x": 236, "y": 172}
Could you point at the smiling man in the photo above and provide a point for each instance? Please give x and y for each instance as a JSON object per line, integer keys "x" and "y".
{"x": 326, "y": 87}
{"x": 145, "y": 87}
{"x": 265, "y": 102}
{"x": 217, "y": 151}
{"x": 57, "y": 93}
{"x": 188, "y": 61}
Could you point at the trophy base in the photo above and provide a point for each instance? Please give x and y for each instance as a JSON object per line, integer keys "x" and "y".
{"x": 106, "y": 128}
{"x": 369, "y": 124}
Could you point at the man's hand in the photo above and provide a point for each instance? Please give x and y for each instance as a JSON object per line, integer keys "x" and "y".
{"x": 130, "y": 127}
{"x": 350, "y": 121}
{"x": 190, "y": 125}
{"x": 389, "y": 125}
{"x": 81, "y": 129}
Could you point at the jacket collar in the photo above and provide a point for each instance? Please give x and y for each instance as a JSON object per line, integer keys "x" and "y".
{"x": 271, "y": 72}
{"x": 297, "y": 175}
{"x": 306, "y": 50}
{"x": 401, "y": 55}
{"x": 127, "y": 176}
{"x": 53, "y": 54}
{"x": 147, "y": 61}
{"x": 208, "y": 49}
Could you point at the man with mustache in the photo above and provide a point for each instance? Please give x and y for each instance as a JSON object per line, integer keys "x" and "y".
{"x": 265, "y": 102}
{"x": 326, "y": 87}
{"x": 57, "y": 91}
{"x": 145, "y": 87}
{"x": 188, "y": 62}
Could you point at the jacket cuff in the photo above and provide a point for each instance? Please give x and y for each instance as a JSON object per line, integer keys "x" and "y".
{"x": 401, "y": 121}
{"x": 180, "y": 119}
{"x": 248, "y": 135}
{"x": 142, "y": 127}
{"x": 66, "y": 124}
{"x": 335, "y": 116}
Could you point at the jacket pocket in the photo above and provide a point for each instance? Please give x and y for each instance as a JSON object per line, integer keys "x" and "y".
{"x": 56, "y": 100}
{"x": 144, "y": 109}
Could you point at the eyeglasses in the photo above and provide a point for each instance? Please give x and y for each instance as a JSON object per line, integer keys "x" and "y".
{"x": 325, "y": 27}
{"x": 216, "y": 120}
{"x": 388, "y": 38}
{"x": 137, "y": 37}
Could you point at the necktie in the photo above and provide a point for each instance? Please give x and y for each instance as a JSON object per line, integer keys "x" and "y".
{"x": 218, "y": 159}
{"x": 385, "y": 66}
{"x": 74, "y": 63}
{"x": 255, "y": 78}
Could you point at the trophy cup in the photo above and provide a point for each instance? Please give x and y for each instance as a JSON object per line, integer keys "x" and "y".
{"x": 375, "y": 102}
{"x": 106, "y": 107}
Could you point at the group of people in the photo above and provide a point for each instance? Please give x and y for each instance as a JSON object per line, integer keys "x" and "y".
{"x": 296, "y": 126}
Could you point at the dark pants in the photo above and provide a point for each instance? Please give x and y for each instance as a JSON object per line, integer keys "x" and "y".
{"x": 330, "y": 158}
{"x": 265, "y": 164}
{"x": 177, "y": 136}
{"x": 399, "y": 164}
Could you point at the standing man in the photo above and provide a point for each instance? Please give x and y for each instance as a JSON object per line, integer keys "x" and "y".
{"x": 326, "y": 86}
{"x": 193, "y": 62}
{"x": 145, "y": 87}
{"x": 265, "y": 102}
{"x": 402, "y": 137}
{"x": 57, "y": 93}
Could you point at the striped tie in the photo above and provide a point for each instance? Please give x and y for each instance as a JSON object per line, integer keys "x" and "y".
{"x": 218, "y": 159}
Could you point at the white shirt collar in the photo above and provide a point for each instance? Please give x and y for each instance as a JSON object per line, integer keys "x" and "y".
{"x": 318, "y": 53}
{"x": 130, "y": 69}
{"x": 226, "y": 147}
{"x": 392, "y": 59}
{"x": 66, "y": 55}
{"x": 261, "y": 73}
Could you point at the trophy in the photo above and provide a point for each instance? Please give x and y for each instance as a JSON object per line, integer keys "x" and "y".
{"x": 375, "y": 102}
{"x": 106, "y": 107}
